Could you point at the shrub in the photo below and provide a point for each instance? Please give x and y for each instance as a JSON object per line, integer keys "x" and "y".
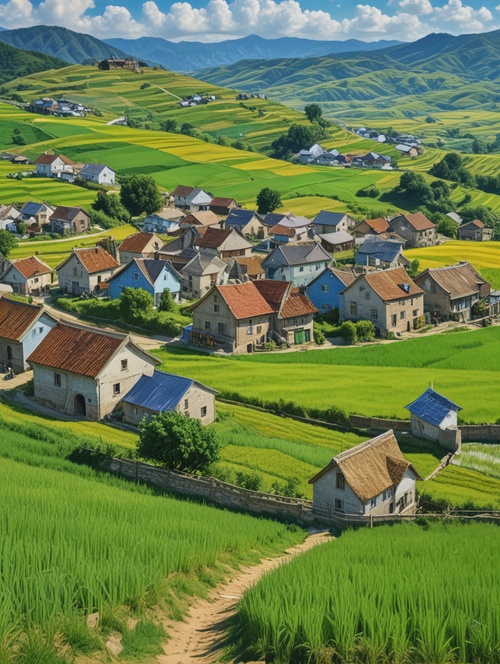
{"x": 252, "y": 481}
{"x": 167, "y": 302}
{"x": 319, "y": 337}
{"x": 419, "y": 322}
{"x": 348, "y": 331}
{"x": 365, "y": 330}
{"x": 99, "y": 218}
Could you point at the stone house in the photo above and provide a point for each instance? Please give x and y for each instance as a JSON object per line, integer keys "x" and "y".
{"x": 164, "y": 221}
{"x": 191, "y": 198}
{"x": 370, "y": 227}
{"x": 372, "y": 478}
{"x": 139, "y": 245}
{"x": 416, "y": 229}
{"x": 378, "y": 253}
{"x": 40, "y": 212}
{"x": 153, "y": 276}
{"x": 247, "y": 222}
{"x": 84, "y": 269}
{"x": 28, "y": 276}
{"x": 330, "y": 222}
{"x": 297, "y": 263}
{"x": 22, "y": 327}
{"x": 69, "y": 220}
{"x": 84, "y": 371}
{"x": 251, "y": 266}
{"x": 476, "y": 231}
{"x": 222, "y": 206}
{"x": 451, "y": 292}
{"x": 52, "y": 165}
{"x": 164, "y": 392}
{"x": 288, "y": 235}
{"x": 98, "y": 173}
{"x": 390, "y": 299}
{"x": 432, "y": 416}
{"x": 200, "y": 273}
{"x": 224, "y": 243}
{"x": 324, "y": 291}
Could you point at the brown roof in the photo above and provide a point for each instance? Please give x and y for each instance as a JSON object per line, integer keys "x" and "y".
{"x": 203, "y": 218}
{"x": 77, "y": 349}
{"x": 297, "y": 304}
{"x": 476, "y": 222}
{"x": 16, "y": 317}
{"x": 93, "y": 259}
{"x": 221, "y": 202}
{"x": 244, "y": 300}
{"x": 378, "y": 224}
{"x": 66, "y": 213}
{"x": 458, "y": 280}
{"x": 388, "y": 284}
{"x": 252, "y": 263}
{"x": 273, "y": 291}
{"x": 213, "y": 238}
{"x": 30, "y": 267}
{"x": 182, "y": 190}
{"x": 372, "y": 466}
{"x": 345, "y": 277}
{"x": 278, "y": 229}
{"x": 137, "y": 242}
{"x": 50, "y": 158}
{"x": 419, "y": 221}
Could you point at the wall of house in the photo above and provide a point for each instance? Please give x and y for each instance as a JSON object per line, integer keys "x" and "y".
{"x": 439, "y": 301}
{"x": 200, "y": 284}
{"x": 299, "y": 274}
{"x": 16, "y": 353}
{"x": 324, "y": 300}
{"x": 414, "y": 238}
{"x": 79, "y": 224}
{"x": 383, "y": 503}
{"x": 407, "y": 485}
{"x": 325, "y": 493}
{"x": 422, "y": 429}
{"x": 286, "y": 327}
{"x": 74, "y": 272}
{"x": 36, "y": 335}
{"x": 26, "y": 286}
{"x": 62, "y": 397}
{"x": 131, "y": 277}
{"x": 253, "y": 228}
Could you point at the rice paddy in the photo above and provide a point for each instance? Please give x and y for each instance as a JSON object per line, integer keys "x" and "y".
{"x": 484, "y": 458}
{"x": 325, "y": 606}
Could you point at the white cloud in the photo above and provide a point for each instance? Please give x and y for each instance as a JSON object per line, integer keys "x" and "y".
{"x": 464, "y": 16}
{"x": 418, "y": 7}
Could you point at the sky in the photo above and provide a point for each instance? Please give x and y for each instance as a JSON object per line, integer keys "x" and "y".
{"x": 217, "y": 20}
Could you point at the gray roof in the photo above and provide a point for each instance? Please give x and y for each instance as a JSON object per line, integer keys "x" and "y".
{"x": 296, "y": 255}
{"x": 340, "y": 237}
{"x": 375, "y": 247}
{"x": 203, "y": 264}
{"x": 31, "y": 208}
{"x": 325, "y": 218}
{"x": 432, "y": 407}
{"x": 93, "y": 169}
{"x": 239, "y": 218}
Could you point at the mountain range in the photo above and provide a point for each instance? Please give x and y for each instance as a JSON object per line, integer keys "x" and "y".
{"x": 17, "y": 62}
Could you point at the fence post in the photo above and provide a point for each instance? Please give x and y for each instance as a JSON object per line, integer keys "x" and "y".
{"x": 371, "y": 520}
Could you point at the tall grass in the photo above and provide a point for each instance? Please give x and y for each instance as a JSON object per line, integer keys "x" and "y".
{"x": 392, "y": 594}
{"x": 481, "y": 457}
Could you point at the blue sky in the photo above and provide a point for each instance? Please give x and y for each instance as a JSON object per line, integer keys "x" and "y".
{"x": 215, "y": 20}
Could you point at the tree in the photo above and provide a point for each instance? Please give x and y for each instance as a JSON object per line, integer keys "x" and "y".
{"x": 21, "y": 227}
{"x": 140, "y": 193}
{"x": 268, "y": 200}
{"x": 452, "y": 167}
{"x": 178, "y": 442}
{"x": 169, "y": 125}
{"x": 447, "y": 227}
{"x": 167, "y": 302}
{"x": 111, "y": 205}
{"x": 349, "y": 332}
{"x": 297, "y": 138}
{"x": 7, "y": 243}
{"x": 135, "y": 304}
{"x": 313, "y": 112}
{"x": 479, "y": 147}
{"x": 188, "y": 129}
{"x": 414, "y": 268}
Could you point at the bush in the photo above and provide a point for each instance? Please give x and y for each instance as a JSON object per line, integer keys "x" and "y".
{"x": 252, "y": 481}
{"x": 419, "y": 323}
{"x": 365, "y": 330}
{"x": 167, "y": 302}
{"x": 99, "y": 218}
{"x": 319, "y": 337}
{"x": 369, "y": 192}
{"x": 348, "y": 331}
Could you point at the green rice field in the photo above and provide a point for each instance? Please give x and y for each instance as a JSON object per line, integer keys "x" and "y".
{"x": 484, "y": 458}
{"x": 420, "y": 602}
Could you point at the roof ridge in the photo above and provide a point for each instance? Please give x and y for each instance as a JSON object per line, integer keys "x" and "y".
{"x": 373, "y": 442}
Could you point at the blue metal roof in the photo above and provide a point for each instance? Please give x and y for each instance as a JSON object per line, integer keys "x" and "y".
{"x": 326, "y": 218}
{"x": 432, "y": 407}
{"x": 159, "y": 392}
{"x": 92, "y": 169}
{"x": 385, "y": 250}
{"x": 31, "y": 209}
{"x": 239, "y": 218}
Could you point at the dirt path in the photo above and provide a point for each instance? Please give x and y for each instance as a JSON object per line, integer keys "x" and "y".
{"x": 200, "y": 637}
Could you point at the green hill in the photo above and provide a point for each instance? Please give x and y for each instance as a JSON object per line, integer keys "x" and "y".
{"x": 17, "y": 62}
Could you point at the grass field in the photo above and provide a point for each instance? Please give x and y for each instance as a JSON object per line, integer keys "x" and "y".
{"x": 431, "y": 610}
{"x": 483, "y": 458}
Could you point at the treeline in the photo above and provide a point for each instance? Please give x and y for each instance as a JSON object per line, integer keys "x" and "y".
{"x": 453, "y": 167}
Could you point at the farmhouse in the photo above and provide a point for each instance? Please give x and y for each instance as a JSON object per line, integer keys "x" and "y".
{"x": 299, "y": 263}
{"x": 139, "y": 245}
{"x": 376, "y": 252}
{"x": 69, "y": 220}
{"x": 84, "y": 269}
{"x": 371, "y": 478}
{"x": 191, "y": 198}
{"x": 335, "y": 242}
{"x": 52, "y": 165}
{"x": 203, "y": 218}
{"x": 324, "y": 291}
{"x": 282, "y": 234}
{"x": 200, "y": 273}
{"x": 153, "y": 276}
{"x": 476, "y": 231}
{"x": 22, "y": 327}
{"x": 223, "y": 243}
{"x": 28, "y": 276}
{"x": 389, "y": 298}
{"x": 451, "y": 292}
{"x": 84, "y": 371}
{"x": 415, "y": 228}
{"x": 222, "y": 206}
{"x": 40, "y": 212}
{"x": 163, "y": 392}
{"x": 164, "y": 221}
{"x": 247, "y": 222}
{"x": 433, "y": 416}
{"x": 370, "y": 227}
{"x": 330, "y": 222}
{"x": 98, "y": 173}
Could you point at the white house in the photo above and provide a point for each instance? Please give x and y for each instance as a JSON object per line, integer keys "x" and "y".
{"x": 28, "y": 276}
{"x": 84, "y": 269}
{"x": 98, "y": 173}
{"x": 371, "y": 478}
{"x": 164, "y": 221}
{"x": 297, "y": 263}
{"x": 431, "y": 414}
{"x": 52, "y": 165}
{"x": 191, "y": 198}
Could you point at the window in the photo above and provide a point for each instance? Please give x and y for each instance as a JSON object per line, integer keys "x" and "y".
{"x": 207, "y": 326}
{"x": 186, "y": 404}
{"x": 216, "y": 308}
{"x": 136, "y": 276}
{"x": 340, "y": 482}
{"x": 353, "y": 308}
{"x": 221, "y": 328}
{"x": 374, "y": 314}
{"x": 368, "y": 295}
{"x": 216, "y": 299}
{"x": 57, "y": 380}
{"x": 307, "y": 336}
{"x": 124, "y": 365}
{"x": 75, "y": 271}
{"x": 249, "y": 327}
{"x": 301, "y": 268}
{"x": 402, "y": 315}
{"x": 116, "y": 388}
{"x": 40, "y": 330}
{"x": 190, "y": 280}
{"x": 394, "y": 320}
{"x": 35, "y": 280}
{"x": 324, "y": 288}
{"x": 204, "y": 411}
{"x": 99, "y": 278}
{"x": 338, "y": 504}
{"x": 415, "y": 313}
{"x": 136, "y": 410}
{"x": 259, "y": 329}
{"x": 373, "y": 502}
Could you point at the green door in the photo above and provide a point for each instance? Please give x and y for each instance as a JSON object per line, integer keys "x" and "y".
{"x": 300, "y": 337}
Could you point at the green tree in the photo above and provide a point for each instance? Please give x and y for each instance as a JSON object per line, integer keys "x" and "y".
{"x": 188, "y": 129}
{"x": 111, "y": 205}
{"x": 297, "y": 138}
{"x": 167, "y": 302}
{"x": 447, "y": 227}
{"x": 268, "y": 200}
{"x": 140, "y": 193}
{"x": 414, "y": 268}
{"x": 170, "y": 126}
{"x": 21, "y": 227}
{"x": 348, "y": 331}
{"x": 178, "y": 442}
{"x": 135, "y": 305}
{"x": 7, "y": 243}
{"x": 452, "y": 167}
{"x": 313, "y": 112}
{"x": 479, "y": 147}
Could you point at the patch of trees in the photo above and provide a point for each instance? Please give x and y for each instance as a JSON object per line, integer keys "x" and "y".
{"x": 298, "y": 137}
{"x": 108, "y": 211}
{"x": 268, "y": 200}
{"x": 482, "y": 147}
{"x": 7, "y": 243}
{"x": 435, "y": 197}
{"x": 140, "y": 194}
{"x": 452, "y": 167}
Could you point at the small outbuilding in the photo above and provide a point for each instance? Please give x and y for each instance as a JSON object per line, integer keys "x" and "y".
{"x": 432, "y": 416}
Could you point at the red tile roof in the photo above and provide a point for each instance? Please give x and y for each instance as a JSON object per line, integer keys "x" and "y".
{"x": 244, "y": 300}
{"x": 419, "y": 221}
{"x": 31, "y": 267}
{"x": 16, "y": 317}
{"x": 182, "y": 190}
{"x": 297, "y": 304}
{"x": 252, "y": 263}
{"x": 388, "y": 284}
{"x": 378, "y": 224}
{"x": 137, "y": 242}
{"x": 213, "y": 238}
{"x": 93, "y": 259}
{"x": 273, "y": 291}
{"x": 278, "y": 229}
{"x": 80, "y": 350}
{"x": 50, "y": 158}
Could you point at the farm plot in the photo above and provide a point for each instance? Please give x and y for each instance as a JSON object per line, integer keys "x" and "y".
{"x": 353, "y": 616}
{"x": 484, "y": 458}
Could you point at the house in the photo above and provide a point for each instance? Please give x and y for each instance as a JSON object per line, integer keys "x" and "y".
{"x": 191, "y": 198}
{"x": 69, "y": 220}
{"x": 431, "y": 415}
{"x": 22, "y": 327}
{"x": 330, "y": 222}
{"x": 251, "y": 266}
{"x": 282, "y": 234}
{"x": 28, "y": 276}
{"x": 224, "y": 243}
{"x": 153, "y": 276}
{"x": 416, "y": 229}
{"x": 379, "y": 253}
{"x": 200, "y": 273}
{"x": 247, "y": 222}
{"x": 222, "y": 206}
{"x": 297, "y": 263}
{"x": 273, "y": 218}
{"x": 390, "y": 299}
{"x": 40, "y": 212}
{"x": 84, "y": 371}
{"x": 335, "y": 242}
{"x": 117, "y": 63}
{"x": 476, "y": 231}
{"x": 139, "y": 245}
{"x": 203, "y": 218}
{"x": 84, "y": 269}
{"x": 98, "y": 173}
{"x": 370, "y": 227}
{"x": 324, "y": 291}
{"x": 451, "y": 292}
{"x": 238, "y": 317}
{"x": 164, "y": 221}
{"x": 407, "y": 150}
{"x": 164, "y": 392}
{"x": 52, "y": 165}
{"x": 372, "y": 478}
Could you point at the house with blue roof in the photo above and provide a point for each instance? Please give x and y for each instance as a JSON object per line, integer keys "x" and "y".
{"x": 247, "y": 222}
{"x": 431, "y": 415}
{"x": 164, "y": 392}
{"x": 98, "y": 173}
{"x": 40, "y": 212}
{"x": 154, "y": 276}
{"x": 325, "y": 290}
{"x": 376, "y": 252}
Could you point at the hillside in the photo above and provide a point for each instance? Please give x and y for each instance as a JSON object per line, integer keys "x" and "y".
{"x": 17, "y": 63}
{"x": 189, "y": 56}
{"x": 60, "y": 43}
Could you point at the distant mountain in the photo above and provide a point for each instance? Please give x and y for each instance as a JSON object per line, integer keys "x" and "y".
{"x": 17, "y": 63}
{"x": 190, "y": 56}
{"x": 71, "y": 46}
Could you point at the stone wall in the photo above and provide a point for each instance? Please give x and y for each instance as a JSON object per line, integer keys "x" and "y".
{"x": 480, "y": 432}
{"x": 361, "y": 422}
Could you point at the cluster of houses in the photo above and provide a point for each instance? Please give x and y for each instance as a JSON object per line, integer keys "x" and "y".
{"x": 59, "y": 166}
{"x": 37, "y": 217}
{"x": 196, "y": 100}
{"x": 474, "y": 230}
{"x": 118, "y": 63}
{"x": 407, "y": 144}
{"x": 58, "y": 107}
{"x": 316, "y": 154}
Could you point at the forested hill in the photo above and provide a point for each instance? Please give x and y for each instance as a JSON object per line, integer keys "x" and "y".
{"x": 17, "y": 63}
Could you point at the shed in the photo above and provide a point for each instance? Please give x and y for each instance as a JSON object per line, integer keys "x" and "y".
{"x": 431, "y": 414}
